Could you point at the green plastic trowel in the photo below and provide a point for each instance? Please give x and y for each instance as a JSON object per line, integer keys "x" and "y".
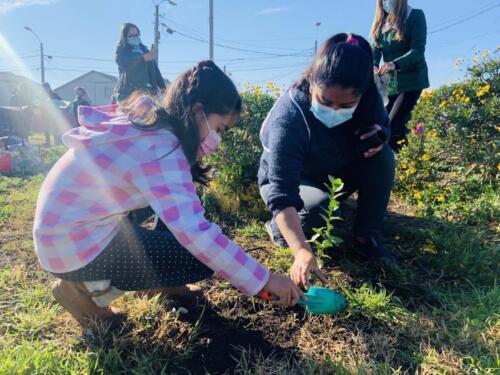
{"x": 319, "y": 300}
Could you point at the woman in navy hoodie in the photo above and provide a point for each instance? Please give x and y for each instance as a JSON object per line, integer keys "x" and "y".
{"x": 330, "y": 122}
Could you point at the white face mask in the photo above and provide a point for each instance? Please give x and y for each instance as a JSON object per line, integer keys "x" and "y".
{"x": 134, "y": 41}
{"x": 331, "y": 117}
{"x": 388, "y": 5}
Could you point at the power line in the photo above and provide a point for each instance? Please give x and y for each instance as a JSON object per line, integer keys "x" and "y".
{"x": 281, "y": 75}
{"x": 20, "y": 57}
{"x": 464, "y": 19}
{"x": 463, "y": 40}
{"x": 264, "y": 68}
{"x": 202, "y": 35}
{"x": 76, "y": 70}
{"x": 82, "y": 58}
{"x": 28, "y": 69}
{"x": 462, "y": 16}
{"x": 241, "y": 49}
{"x": 234, "y": 59}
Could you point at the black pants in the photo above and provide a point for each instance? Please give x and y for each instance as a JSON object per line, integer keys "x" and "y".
{"x": 399, "y": 108}
{"x": 139, "y": 259}
{"x": 372, "y": 178}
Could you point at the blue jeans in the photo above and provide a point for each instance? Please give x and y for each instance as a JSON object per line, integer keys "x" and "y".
{"x": 372, "y": 178}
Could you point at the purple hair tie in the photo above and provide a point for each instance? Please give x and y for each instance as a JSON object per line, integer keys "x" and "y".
{"x": 352, "y": 40}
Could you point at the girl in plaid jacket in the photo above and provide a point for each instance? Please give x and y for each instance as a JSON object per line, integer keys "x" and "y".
{"x": 125, "y": 163}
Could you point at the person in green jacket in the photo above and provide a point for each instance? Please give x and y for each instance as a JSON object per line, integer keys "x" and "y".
{"x": 399, "y": 35}
{"x": 137, "y": 67}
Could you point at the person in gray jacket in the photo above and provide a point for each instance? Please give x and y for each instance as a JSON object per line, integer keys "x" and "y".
{"x": 137, "y": 67}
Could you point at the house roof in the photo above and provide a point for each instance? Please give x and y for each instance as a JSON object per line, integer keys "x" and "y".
{"x": 72, "y": 82}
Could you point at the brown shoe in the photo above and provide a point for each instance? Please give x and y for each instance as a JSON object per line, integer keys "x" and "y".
{"x": 188, "y": 292}
{"x": 75, "y": 298}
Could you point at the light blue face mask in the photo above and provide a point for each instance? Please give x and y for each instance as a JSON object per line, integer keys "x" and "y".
{"x": 134, "y": 41}
{"x": 331, "y": 117}
{"x": 388, "y": 5}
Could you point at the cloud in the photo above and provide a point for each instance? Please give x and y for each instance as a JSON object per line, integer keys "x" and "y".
{"x": 7, "y": 6}
{"x": 266, "y": 11}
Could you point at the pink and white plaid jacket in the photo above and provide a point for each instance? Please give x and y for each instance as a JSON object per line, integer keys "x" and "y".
{"x": 112, "y": 168}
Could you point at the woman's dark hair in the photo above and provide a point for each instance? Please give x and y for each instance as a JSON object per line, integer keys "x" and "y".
{"x": 122, "y": 42}
{"x": 345, "y": 60}
{"x": 204, "y": 83}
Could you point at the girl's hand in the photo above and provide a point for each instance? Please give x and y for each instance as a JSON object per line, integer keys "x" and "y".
{"x": 372, "y": 151}
{"x": 387, "y": 67}
{"x": 284, "y": 288}
{"x": 376, "y": 69}
{"x": 304, "y": 265}
{"x": 149, "y": 56}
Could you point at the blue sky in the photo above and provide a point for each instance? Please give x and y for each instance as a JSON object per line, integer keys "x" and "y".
{"x": 252, "y": 35}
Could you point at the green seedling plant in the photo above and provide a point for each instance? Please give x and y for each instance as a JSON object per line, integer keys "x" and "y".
{"x": 323, "y": 239}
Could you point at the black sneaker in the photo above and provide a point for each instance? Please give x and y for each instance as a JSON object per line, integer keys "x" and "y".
{"x": 372, "y": 249}
{"x": 277, "y": 241}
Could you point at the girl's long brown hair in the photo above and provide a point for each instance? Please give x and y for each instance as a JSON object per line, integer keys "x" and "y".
{"x": 397, "y": 18}
{"x": 204, "y": 83}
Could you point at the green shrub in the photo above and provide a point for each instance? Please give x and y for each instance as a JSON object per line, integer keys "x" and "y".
{"x": 234, "y": 187}
{"x": 450, "y": 167}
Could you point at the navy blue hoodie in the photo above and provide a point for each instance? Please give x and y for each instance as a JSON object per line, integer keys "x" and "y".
{"x": 297, "y": 146}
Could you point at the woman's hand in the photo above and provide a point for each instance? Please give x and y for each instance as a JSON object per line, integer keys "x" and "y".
{"x": 375, "y": 69}
{"x": 304, "y": 265}
{"x": 372, "y": 151}
{"x": 284, "y": 288}
{"x": 149, "y": 56}
{"x": 386, "y": 68}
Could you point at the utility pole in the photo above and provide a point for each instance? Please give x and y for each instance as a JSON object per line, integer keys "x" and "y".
{"x": 42, "y": 63}
{"x": 42, "y": 56}
{"x": 157, "y": 32}
{"x": 156, "y": 44}
{"x": 211, "y": 29}
{"x": 316, "y": 40}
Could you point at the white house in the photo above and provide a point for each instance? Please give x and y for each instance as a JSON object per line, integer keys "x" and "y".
{"x": 99, "y": 86}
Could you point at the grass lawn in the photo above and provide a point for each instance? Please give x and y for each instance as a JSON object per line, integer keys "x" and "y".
{"x": 437, "y": 313}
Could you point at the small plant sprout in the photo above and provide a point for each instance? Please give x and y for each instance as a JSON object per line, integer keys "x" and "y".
{"x": 323, "y": 239}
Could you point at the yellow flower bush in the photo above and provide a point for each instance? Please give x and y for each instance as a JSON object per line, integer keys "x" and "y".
{"x": 483, "y": 90}
{"x": 452, "y": 169}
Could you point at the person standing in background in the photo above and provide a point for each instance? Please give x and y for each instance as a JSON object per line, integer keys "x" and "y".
{"x": 81, "y": 99}
{"x": 399, "y": 35}
{"x": 137, "y": 67}
{"x": 14, "y": 98}
{"x": 49, "y": 126}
